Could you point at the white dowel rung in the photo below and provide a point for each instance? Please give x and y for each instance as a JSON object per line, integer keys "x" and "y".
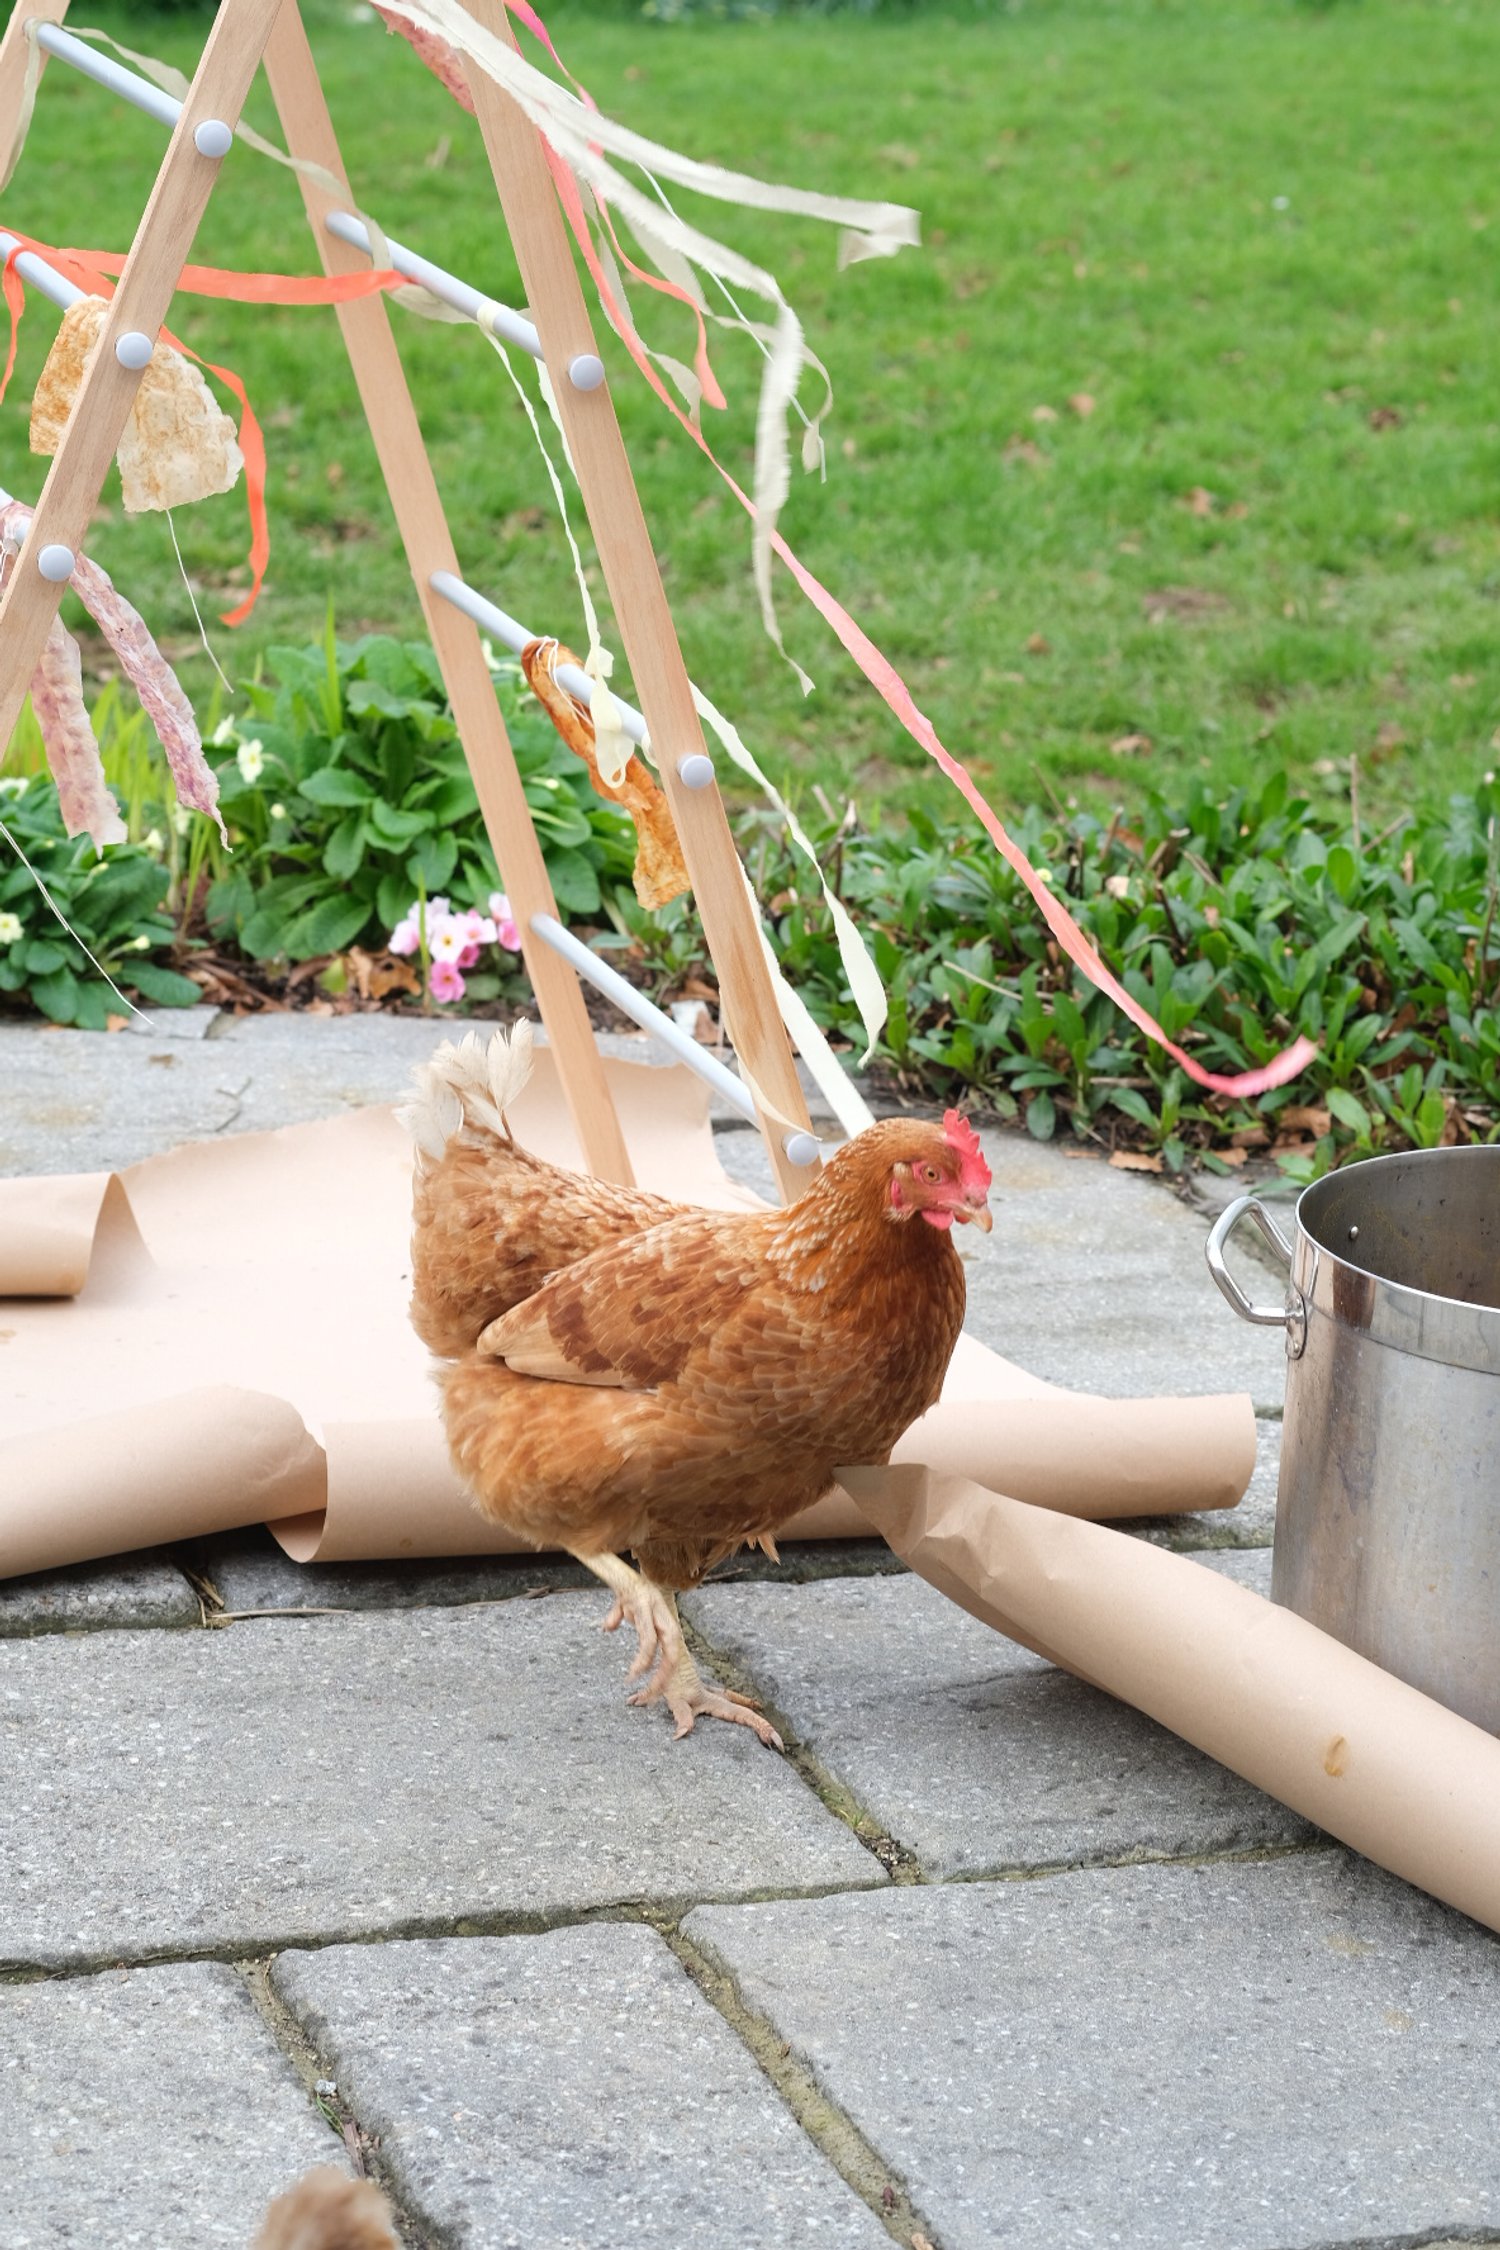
{"x": 505, "y": 628}
{"x": 45, "y": 279}
{"x": 130, "y": 87}
{"x": 640, "y": 1010}
{"x": 510, "y": 327}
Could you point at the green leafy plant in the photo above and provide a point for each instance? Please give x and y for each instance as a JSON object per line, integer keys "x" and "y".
{"x": 115, "y": 902}
{"x": 1239, "y": 919}
{"x": 349, "y": 797}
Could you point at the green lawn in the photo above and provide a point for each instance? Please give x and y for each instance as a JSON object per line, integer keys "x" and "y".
{"x": 1260, "y": 237}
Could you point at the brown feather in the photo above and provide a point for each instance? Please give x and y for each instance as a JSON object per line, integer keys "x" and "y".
{"x": 687, "y": 1388}
{"x": 492, "y": 1223}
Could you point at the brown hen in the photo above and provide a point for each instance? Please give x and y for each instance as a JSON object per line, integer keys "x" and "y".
{"x": 631, "y": 1374}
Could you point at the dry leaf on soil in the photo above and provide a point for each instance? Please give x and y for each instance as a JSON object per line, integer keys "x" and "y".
{"x": 1305, "y": 1120}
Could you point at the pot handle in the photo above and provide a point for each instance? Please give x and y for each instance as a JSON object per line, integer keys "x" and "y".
{"x": 1292, "y": 1315}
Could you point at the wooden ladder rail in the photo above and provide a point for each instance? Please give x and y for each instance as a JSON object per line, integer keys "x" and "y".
{"x": 141, "y": 302}
{"x": 556, "y": 304}
{"x": 391, "y": 414}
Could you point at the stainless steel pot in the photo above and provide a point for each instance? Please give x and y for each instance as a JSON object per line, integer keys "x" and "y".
{"x": 1388, "y": 1508}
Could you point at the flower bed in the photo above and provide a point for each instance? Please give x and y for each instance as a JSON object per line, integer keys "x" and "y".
{"x": 360, "y": 875}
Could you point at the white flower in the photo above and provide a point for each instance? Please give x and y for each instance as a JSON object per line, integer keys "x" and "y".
{"x": 225, "y": 731}
{"x": 182, "y": 818}
{"x": 140, "y": 945}
{"x": 250, "y": 758}
{"x": 154, "y": 840}
{"x": 10, "y": 929}
{"x": 447, "y": 942}
{"x": 13, "y": 785}
{"x": 278, "y": 812}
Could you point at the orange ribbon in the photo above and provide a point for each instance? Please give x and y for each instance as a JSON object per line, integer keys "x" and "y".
{"x": 88, "y": 270}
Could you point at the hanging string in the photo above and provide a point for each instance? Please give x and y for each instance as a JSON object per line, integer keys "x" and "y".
{"x": 193, "y": 605}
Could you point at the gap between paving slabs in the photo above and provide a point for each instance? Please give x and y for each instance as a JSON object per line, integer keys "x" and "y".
{"x": 853, "y": 2156}
{"x": 861, "y": 2168}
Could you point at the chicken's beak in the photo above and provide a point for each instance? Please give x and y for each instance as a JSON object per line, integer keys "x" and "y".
{"x": 980, "y": 1214}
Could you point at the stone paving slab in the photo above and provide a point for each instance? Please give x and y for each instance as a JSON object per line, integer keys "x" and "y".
{"x": 332, "y": 1777}
{"x": 148, "y": 2107}
{"x": 565, "y": 2092}
{"x": 138, "y": 1590}
{"x": 1096, "y": 1279}
{"x": 1266, "y": 2055}
{"x": 84, "y": 1101}
{"x": 970, "y": 1751}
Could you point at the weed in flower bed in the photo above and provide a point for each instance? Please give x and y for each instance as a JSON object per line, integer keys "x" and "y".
{"x": 116, "y": 904}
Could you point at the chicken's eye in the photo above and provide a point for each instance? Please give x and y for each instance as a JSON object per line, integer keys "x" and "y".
{"x": 931, "y": 1174}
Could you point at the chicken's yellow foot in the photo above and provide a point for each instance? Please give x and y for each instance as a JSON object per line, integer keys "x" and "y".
{"x": 661, "y": 1652}
{"x": 678, "y": 1683}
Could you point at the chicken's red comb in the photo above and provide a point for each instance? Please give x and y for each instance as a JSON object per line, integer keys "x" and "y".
{"x": 974, "y": 1174}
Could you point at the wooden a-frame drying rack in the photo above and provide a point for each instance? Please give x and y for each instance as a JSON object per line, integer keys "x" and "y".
{"x": 245, "y": 33}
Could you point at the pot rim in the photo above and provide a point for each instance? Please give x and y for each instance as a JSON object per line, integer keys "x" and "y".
{"x": 1416, "y": 1321}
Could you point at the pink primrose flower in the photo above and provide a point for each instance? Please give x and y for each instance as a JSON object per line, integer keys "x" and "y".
{"x": 444, "y": 981}
{"x": 506, "y": 933}
{"x": 404, "y": 937}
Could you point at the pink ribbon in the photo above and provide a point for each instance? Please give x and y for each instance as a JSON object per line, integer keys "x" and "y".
{"x": 894, "y": 692}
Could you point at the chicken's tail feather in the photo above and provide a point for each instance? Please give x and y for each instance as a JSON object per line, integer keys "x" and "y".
{"x": 466, "y": 1083}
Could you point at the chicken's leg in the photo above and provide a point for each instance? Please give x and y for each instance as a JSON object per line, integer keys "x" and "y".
{"x": 662, "y": 1651}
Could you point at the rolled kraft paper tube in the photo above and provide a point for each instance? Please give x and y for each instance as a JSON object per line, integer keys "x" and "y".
{"x": 47, "y": 1233}
{"x": 177, "y": 1468}
{"x": 1378, "y": 1765}
{"x": 392, "y": 1493}
{"x": 1098, "y": 1457}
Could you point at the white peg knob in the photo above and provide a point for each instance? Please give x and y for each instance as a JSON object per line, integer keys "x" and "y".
{"x": 133, "y": 350}
{"x": 696, "y": 772}
{"x": 801, "y": 1149}
{"x": 586, "y": 371}
{"x": 213, "y": 137}
{"x": 56, "y": 564}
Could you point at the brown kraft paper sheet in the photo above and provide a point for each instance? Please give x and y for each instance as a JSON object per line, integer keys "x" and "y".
{"x": 1378, "y": 1765}
{"x": 219, "y": 1337}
